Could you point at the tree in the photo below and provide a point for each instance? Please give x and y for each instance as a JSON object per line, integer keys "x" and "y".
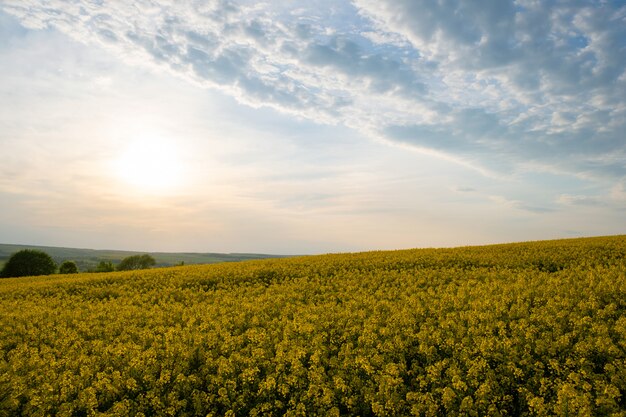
{"x": 105, "y": 266}
{"x": 68, "y": 267}
{"x": 136, "y": 262}
{"x": 28, "y": 262}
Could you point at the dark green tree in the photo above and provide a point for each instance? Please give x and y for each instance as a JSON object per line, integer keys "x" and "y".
{"x": 105, "y": 266}
{"x": 28, "y": 262}
{"x": 68, "y": 267}
{"x": 136, "y": 262}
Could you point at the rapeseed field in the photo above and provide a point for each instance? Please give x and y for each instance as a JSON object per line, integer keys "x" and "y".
{"x": 533, "y": 329}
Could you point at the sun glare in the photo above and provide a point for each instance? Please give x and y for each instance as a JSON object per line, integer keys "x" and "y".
{"x": 150, "y": 164}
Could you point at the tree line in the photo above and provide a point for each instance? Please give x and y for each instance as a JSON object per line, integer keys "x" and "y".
{"x": 32, "y": 262}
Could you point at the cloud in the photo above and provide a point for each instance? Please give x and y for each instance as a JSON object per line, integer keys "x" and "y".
{"x": 549, "y": 74}
{"x": 520, "y": 205}
{"x": 459, "y": 189}
{"x": 580, "y": 200}
{"x": 618, "y": 192}
{"x": 497, "y": 84}
{"x": 382, "y": 74}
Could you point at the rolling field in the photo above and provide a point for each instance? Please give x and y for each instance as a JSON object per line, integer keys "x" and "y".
{"x": 534, "y": 328}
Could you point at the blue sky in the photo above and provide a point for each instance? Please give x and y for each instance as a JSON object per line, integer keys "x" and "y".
{"x": 310, "y": 127}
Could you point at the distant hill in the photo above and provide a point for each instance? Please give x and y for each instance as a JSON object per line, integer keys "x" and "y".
{"x": 87, "y": 259}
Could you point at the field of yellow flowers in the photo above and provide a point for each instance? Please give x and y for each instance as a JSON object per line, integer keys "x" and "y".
{"x": 533, "y": 328}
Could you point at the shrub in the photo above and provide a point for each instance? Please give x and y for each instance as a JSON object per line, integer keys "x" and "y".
{"x": 105, "y": 266}
{"x": 136, "y": 262}
{"x": 68, "y": 267}
{"x": 28, "y": 262}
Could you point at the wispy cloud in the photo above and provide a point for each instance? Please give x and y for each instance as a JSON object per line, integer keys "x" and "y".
{"x": 488, "y": 121}
{"x": 464, "y": 189}
{"x": 520, "y": 205}
{"x": 580, "y": 200}
{"x": 618, "y": 192}
{"x": 496, "y": 84}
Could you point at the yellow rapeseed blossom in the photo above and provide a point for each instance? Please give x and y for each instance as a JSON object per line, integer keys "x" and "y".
{"x": 520, "y": 329}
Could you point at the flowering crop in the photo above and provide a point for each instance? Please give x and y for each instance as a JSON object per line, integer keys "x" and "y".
{"x": 520, "y": 329}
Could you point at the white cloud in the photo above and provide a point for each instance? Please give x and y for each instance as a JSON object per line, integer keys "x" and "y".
{"x": 495, "y": 84}
{"x": 531, "y": 66}
{"x": 618, "y": 192}
{"x": 264, "y": 180}
{"x": 580, "y": 200}
{"x": 519, "y": 205}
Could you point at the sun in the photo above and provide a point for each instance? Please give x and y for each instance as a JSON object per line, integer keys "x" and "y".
{"x": 150, "y": 164}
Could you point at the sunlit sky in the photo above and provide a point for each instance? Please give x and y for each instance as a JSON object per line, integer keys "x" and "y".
{"x": 309, "y": 127}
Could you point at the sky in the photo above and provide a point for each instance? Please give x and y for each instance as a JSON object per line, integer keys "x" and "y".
{"x": 299, "y": 127}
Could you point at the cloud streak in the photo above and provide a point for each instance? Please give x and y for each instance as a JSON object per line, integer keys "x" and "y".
{"x": 498, "y": 84}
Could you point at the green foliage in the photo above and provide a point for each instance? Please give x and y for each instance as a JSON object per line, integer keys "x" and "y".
{"x": 68, "y": 267}
{"x": 87, "y": 259}
{"x": 105, "y": 266}
{"x": 136, "y": 262}
{"x": 524, "y": 329}
{"x": 28, "y": 262}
